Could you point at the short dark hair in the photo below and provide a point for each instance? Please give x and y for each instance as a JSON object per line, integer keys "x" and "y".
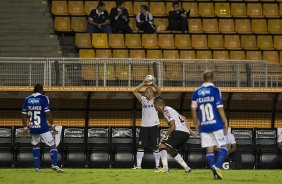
{"x": 159, "y": 99}
{"x": 38, "y": 88}
{"x": 119, "y": 2}
{"x": 145, "y": 7}
{"x": 175, "y": 3}
{"x": 208, "y": 75}
{"x": 101, "y": 4}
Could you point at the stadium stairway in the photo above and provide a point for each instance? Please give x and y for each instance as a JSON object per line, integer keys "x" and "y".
{"x": 26, "y": 29}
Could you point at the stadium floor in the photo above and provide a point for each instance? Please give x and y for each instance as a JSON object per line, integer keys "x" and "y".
{"x": 128, "y": 176}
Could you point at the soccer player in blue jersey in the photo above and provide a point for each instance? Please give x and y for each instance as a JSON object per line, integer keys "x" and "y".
{"x": 36, "y": 110}
{"x": 207, "y": 107}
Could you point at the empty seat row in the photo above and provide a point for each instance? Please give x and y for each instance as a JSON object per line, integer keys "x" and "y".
{"x": 241, "y": 26}
{"x": 179, "y": 41}
{"x": 270, "y": 56}
{"x": 204, "y": 9}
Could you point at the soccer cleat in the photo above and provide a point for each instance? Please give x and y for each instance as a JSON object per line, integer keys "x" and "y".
{"x": 161, "y": 170}
{"x": 189, "y": 170}
{"x": 158, "y": 167}
{"x": 216, "y": 173}
{"x": 136, "y": 167}
{"x": 57, "y": 169}
{"x": 37, "y": 170}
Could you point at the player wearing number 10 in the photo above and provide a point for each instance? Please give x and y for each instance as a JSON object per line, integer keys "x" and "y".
{"x": 207, "y": 104}
{"x": 36, "y": 110}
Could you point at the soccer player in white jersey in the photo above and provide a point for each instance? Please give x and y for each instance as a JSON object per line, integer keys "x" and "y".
{"x": 207, "y": 107}
{"x": 36, "y": 110}
{"x": 177, "y": 135}
{"x": 150, "y": 123}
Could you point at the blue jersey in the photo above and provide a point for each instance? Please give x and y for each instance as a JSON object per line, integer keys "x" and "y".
{"x": 207, "y": 99}
{"x": 36, "y": 106}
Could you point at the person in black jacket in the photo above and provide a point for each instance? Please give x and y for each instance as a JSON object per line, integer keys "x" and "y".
{"x": 145, "y": 20}
{"x": 99, "y": 20}
{"x": 120, "y": 19}
{"x": 178, "y": 18}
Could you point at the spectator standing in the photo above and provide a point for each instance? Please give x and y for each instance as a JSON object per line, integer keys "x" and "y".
{"x": 120, "y": 19}
{"x": 145, "y": 20}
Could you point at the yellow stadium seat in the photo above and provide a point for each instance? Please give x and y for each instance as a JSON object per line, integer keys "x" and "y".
{"x": 226, "y": 25}
{"x": 221, "y": 55}
{"x": 150, "y": 41}
{"x": 90, "y": 5}
{"x": 192, "y": 6}
{"x": 154, "y": 54}
{"x": 170, "y": 54}
{"x": 62, "y": 24}
{"x": 187, "y": 54}
{"x": 100, "y": 40}
{"x": 206, "y": 9}
{"x": 204, "y": 54}
{"x": 122, "y": 71}
{"x": 254, "y": 9}
{"x": 259, "y": 26}
{"x": 129, "y": 6}
{"x": 278, "y": 42}
{"x": 118, "y": 53}
{"x": 76, "y": 7}
{"x": 195, "y": 26}
{"x": 243, "y": 26}
{"x": 103, "y": 53}
{"x": 253, "y": 55}
{"x": 173, "y": 71}
{"x": 182, "y": 41}
{"x": 210, "y": 25}
{"x": 137, "y": 54}
{"x": 238, "y": 10}
{"x": 249, "y": 42}
{"x": 133, "y": 41}
{"x": 275, "y": 26}
{"x": 199, "y": 41}
{"x": 157, "y": 8}
{"x": 162, "y": 24}
{"x": 86, "y": 53}
{"x": 83, "y": 40}
{"x": 271, "y": 56}
{"x": 166, "y": 41}
{"x": 237, "y": 55}
{"x": 110, "y": 72}
{"x": 116, "y": 40}
{"x": 137, "y": 4}
{"x": 78, "y": 24}
{"x": 280, "y": 9}
{"x": 59, "y": 8}
{"x": 222, "y": 9}
{"x": 265, "y": 42}
{"x": 109, "y": 5}
{"x": 139, "y": 71}
{"x": 168, "y": 7}
{"x": 232, "y": 41}
{"x": 270, "y": 10}
{"x": 215, "y": 42}
{"x": 132, "y": 24}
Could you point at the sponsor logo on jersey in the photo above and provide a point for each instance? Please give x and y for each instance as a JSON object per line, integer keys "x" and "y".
{"x": 203, "y": 92}
{"x": 33, "y": 100}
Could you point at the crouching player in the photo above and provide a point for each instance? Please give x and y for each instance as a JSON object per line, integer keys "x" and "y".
{"x": 36, "y": 109}
{"x": 177, "y": 135}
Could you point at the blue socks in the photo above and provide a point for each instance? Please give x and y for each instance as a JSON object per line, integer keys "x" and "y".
{"x": 36, "y": 156}
{"x": 222, "y": 154}
{"x": 210, "y": 159}
{"x": 54, "y": 156}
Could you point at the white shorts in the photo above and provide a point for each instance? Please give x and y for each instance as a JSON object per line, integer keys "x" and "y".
{"x": 216, "y": 138}
{"x": 47, "y": 138}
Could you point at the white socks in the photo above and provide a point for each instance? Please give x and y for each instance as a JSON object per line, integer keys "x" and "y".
{"x": 157, "y": 156}
{"x": 180, "y": 160}
{"x": 139, "y": 156}
{"x": 164, "y": 159}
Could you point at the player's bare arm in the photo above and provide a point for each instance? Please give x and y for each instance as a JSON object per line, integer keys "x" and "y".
{"x": 158, "y": 90}
{"x": 51, "y": 122}
{"x": 223, "y": 118}
{"x": 195, "y": 118}
{"x": 136, "y": 91}
{"x": 232, "y": 148}
{"x": 170, "y": 130}
{"x": 24, "y": 122}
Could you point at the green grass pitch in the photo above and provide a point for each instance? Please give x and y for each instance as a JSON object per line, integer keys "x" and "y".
{"x": 129, "y": 176}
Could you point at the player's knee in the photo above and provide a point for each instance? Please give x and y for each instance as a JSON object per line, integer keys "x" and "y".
{"x": 162, "y": 147}
{"x": 53, "y": 146}
{"x": 172, "y": 152}
{"x": 156, "y": 149}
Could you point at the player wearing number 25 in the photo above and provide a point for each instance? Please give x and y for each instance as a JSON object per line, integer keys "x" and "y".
{"x": 36, "y": 110}
{"x": 207, "y": 107}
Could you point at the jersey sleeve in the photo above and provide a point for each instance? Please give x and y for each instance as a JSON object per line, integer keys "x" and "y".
{"x": 194, "y": 103}
{"x": 24, "y": 108}
{"x": 168, "y": 115}
{"x": 45, "y": 104}
{"x": 218, "y": 98}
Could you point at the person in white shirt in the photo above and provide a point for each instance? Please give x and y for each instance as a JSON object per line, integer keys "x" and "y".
{"x": 177, "y": 135}
{"x": 149, "y": 131}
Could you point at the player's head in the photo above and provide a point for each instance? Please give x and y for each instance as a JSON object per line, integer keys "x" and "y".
{"x": 175, "y": 5}
{"x": 149, "y": 93}
{"x": 159, "y": 103}
{"x": 101, "y": 6}
{"x": 144, "y": 8}
{"x": 38, "y": 88}
{"x": 208, "y": 76}
{"x": 120, "y": 3}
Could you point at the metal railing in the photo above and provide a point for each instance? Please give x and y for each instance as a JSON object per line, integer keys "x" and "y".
{"x": 130, "y": 72}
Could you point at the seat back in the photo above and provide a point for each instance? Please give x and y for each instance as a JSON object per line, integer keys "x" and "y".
{"x": 116, "y": 40}
{"x": 59, "y": 8}
{"x": 98, "y": 136}
{"x": 237, "y": 55}
{"x": 265, "y": 42}
{"x": 254, "y": 9}
{"x": 206, "y": 9}
{"x": 166, "y": 41}
{"x": 243, "y": 26}
{"x": 210, "y": 25}
{"x": 192, "y": 6}
{"x": 83, "y": 40}
{"x": 62, "y": 24}
{"x": 248, "y": 42}
{"x": 270, "y": 10}
{"x": 221, "y": 55}
{"x": 222, "y": 9}
{"x": 182, "y": 41}
{"x": 6, "y": 137}
{"x": 120, "y": 53}
{"x": 76, "y": 7}
{"x": 150, "y": 40}
{"x": 122, "y": 137}
{"x": 238, "y": 9}
{"x": 199, "y": 41}
{"x": 158, "y": 8}
{"x": 137, "y": 54}
{"x": 226, "y": 25}
{"x": 154, "y": 54}
{"x": 187, "y": 54}
{"x": 73, "y": 137}
{"x": 78, "y": 24}
{"x": 271, "y": 56}
{"x": 89, "y": 6}
{"x": 259, "y": 26}
{"x": 170, "y": 54}
{"x": 100, "y": 40}
{"x": 133, "y": 41}
{"x": 275, "y": 26}
{"x": 232, "y": 41}
{"x": 215, "y": 41}
{"x": 195, "y": 25}
{"x": 266, "y": 138}
{"x": 206, "y": 54}
{"x": 253, "y": 55}
{"x": 243, "y": 136}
